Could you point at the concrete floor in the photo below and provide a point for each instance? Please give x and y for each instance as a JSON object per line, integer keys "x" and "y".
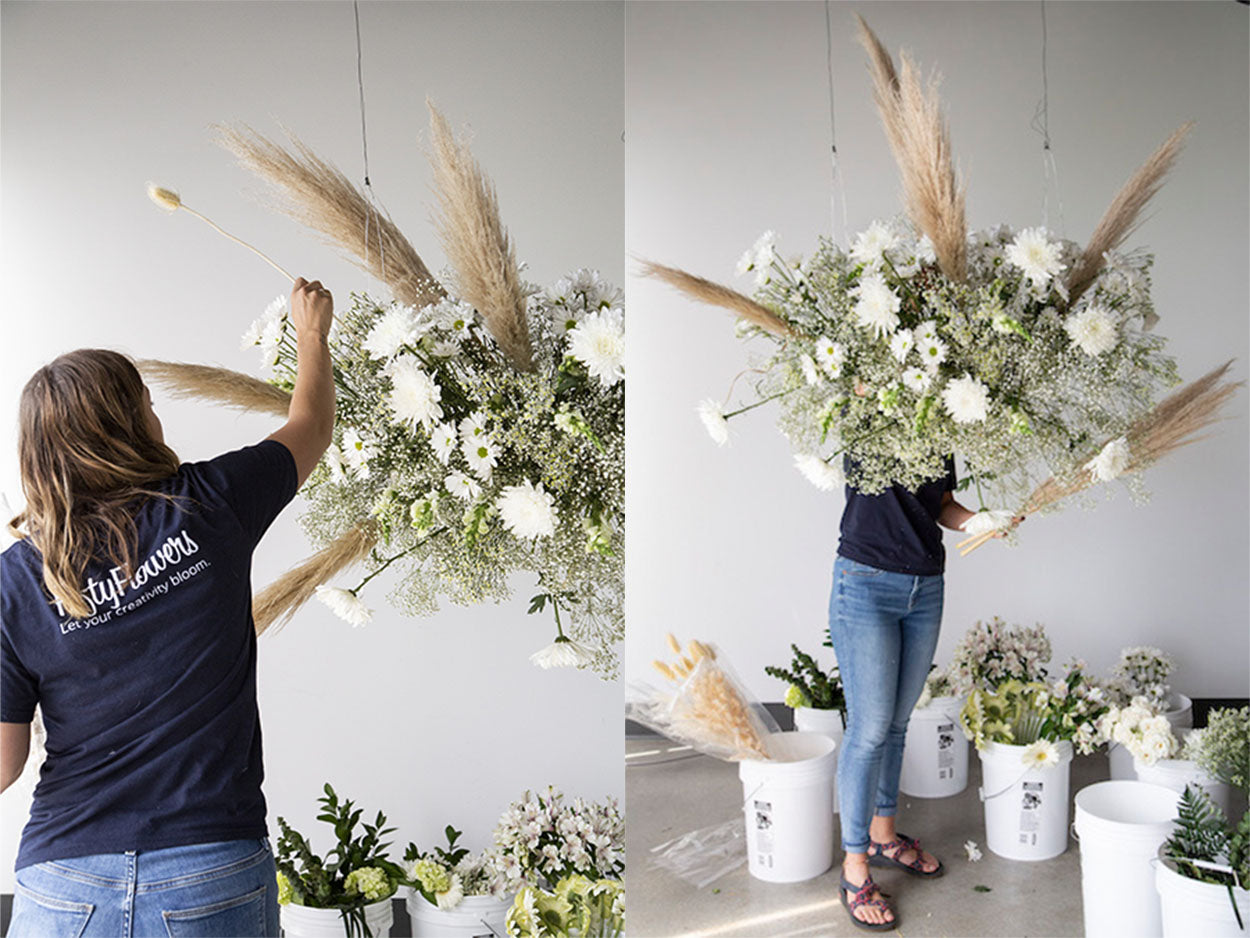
{"x": 670, "y": 793}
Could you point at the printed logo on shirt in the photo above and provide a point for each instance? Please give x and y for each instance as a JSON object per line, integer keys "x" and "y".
{"x": 110, "y": 594}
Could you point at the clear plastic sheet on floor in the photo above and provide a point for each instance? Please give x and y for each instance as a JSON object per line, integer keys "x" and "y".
{"x": 703, "y": 856}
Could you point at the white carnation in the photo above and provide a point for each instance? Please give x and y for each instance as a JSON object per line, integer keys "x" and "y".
{"x": 415, "y": 395}
{"x": 345, "y": 604}
{"x": 966, "y": 399}
{"x": 1093, "y": 329}
{"x": 527, "y": 510}
{"x": 1111, "y": 461}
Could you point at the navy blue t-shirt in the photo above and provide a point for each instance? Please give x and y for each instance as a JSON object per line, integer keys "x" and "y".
{"x": 150, "y": 701}
{"x": 897, "y": 530}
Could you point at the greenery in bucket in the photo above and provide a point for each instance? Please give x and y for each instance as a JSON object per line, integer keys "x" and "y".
{"x": 1222, "y": 747}
{"x": 353, "y": 874}
{"x": 810, "y": 686}
{"x": 1036, "y": 715}
{"x": 446, "y": 875}
{"x": 1206, "y": 847}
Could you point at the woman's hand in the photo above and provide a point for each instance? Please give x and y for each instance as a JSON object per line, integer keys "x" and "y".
{"x": 312, "y": 308}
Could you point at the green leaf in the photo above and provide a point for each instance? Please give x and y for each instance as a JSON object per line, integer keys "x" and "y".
{"x": 979, "y": 888}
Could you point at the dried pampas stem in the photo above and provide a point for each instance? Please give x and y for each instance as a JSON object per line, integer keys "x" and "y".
{"x": 477, "y": 243}
{"x": 221, "y": 385}
{"x": 318, "y": 195}
{"x": 278, "y": 601}
{"x": 707, "y": 291}
{"x": 1124, "y": 214}
{"x": 920, "y": 140}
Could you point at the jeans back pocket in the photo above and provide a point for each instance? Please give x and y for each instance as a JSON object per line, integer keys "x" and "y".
{"x": 243, "y": 915}
{"x": 45, "y": 917}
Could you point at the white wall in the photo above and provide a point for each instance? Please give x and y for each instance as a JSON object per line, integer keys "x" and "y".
{"x": 436, "y": 721}
{"x": 728, "y": 136}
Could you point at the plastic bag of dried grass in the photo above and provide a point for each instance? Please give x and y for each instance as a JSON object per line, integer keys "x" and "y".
{"x": 703, "y": 705}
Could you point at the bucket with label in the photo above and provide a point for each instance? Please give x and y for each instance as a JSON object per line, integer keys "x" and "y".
{"x": 1120, "y": 826}
{"x": 1175, "y": 774}
{"x": 827, "y": 723}
{"x": 788, "y": 806}
{"x": 473, "y": 917}
{"x": 935, "y": 755}
{"x": 1026, "y": 808}
{"x": 1191, "y": 907}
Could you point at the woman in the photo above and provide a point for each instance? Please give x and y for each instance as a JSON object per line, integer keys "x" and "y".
{"x": 127, "y": 619}
{"x": 884, "y": 615}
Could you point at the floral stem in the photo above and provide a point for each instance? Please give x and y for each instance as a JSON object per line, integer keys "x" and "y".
{"x": 388, "y": 562}
{"x": 760, "y": 403}
{"x": 268, "y": 260}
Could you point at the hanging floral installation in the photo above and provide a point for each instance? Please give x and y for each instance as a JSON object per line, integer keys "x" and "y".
{"x": 480, "y": 425}
{"x": 1031, "y": 356}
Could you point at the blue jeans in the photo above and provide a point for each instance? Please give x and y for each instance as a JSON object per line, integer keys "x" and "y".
{"x": 884, "y": 628}
{"x": 216, "y": 889}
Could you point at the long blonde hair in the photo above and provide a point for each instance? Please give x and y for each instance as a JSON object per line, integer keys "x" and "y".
{"x": 86, "y": 454}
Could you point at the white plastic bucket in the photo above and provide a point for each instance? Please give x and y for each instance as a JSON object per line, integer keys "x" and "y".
{"x": 1123, "y": 768}
{"x": 1191, "y": 908}
{"x": 935, "y": 755}
{"x": 301, "y": 921}
{"x": 788, "y": 805}
{"x": 1175, "y": 774}
{"x": 827, "y": 723}
{"x": 1180, "y": 715}
{"x": 474, "y": 917}
{"x": 1121, "y": 825}
{"x": 1180, "y": 712}
{"x": 1026, "y": 809}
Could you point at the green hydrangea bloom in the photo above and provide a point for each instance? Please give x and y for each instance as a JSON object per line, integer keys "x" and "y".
{"x": 795, "y": 697}
{"x": 368, "y": 881}
{"x": 285, "y": 893}
{"x": 431, "y": 875}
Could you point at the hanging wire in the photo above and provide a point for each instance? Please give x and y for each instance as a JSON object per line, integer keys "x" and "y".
{"x": 364, "y": 146}
{"x": 837, "y": 191}
{"x": 1041, "y": 124}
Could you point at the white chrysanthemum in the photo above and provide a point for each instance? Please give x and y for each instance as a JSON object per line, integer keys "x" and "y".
{"x": 1094, "y": 329}
{"x": 1111, "y": 461}
{"x": 266, "y": 330}
{"x": 1041, "y": 754}
{"x": 482, "y": 456}
{"x": 966, "y": 399}
{"x": 397, "y": 327}
{"x": 924, "y": 251}
{"x": 871, "y": 245}
{"x": 357, "y": 452}
{"x": 808, "y": 365}
{"x": 758, "y": 257}
{"x": 901, "y": 343}
{"x": 877, "y": 305}
{"x": 817, "y": 471}
{"x": 712, "y": 413}
{"x": 916, "y": 380}
{"x": 830, "y": 355}
{"x": 443, "y": 439}
{"x": 462, "y": 485}
{"x": 528, "y": 510}
{"x": 563, "y": 653}
{"x": 345, "y": 604}
{"x": 452, "y": 896}
{"x": 598, "y": 342}
{"x": 987, "y": 520}
{"x": 972, "y": 850}
{"x": 932, "y": 352}
{"x": 1035, "y": 256}
{"x": 415, "y": 395}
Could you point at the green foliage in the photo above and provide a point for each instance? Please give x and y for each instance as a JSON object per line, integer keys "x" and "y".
{"x": 1201, "y": 834}
{"x": 823, "y": 690}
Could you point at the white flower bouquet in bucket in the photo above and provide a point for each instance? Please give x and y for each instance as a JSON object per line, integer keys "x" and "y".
{"x": 454, "y": 892}
{"x": 1138, "y": 687}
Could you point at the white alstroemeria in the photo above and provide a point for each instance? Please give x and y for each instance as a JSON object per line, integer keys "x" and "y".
{"x": 987, "y": 520}
{"x": 397, "y": 327}
{"x": 901, "y": 343}
{"x": 563, "y": 653}
{"x": 1094, "y": 330}
{"x": 357, "y": 452}
{"x": 345, "y": 604}
{"x": 712, "y": 413}
{"x": 808, "y": 365}
{"x": 415, "y": 395}
{"x": 1036, "y": 256}
{"x": 870, "y": 246}
{"x": 482, "y": 455}
{"x": 598, "y": 342}
{"x": 932, "y": 352}
{"x": 527, "y": 510}
{"x": 876, "y": 305}
{"x": 830, "y": 355}
{"x": 462, "y": 485}
{"x": 819, "y": 472}
{"x": 972, "y": 850}
{"x": 1040, "y": 755}
{"x": 916, "y": 380}
{"x": 1112, "y": 460}
{"x": 443, "y": 439}
{"x": 966, "y": 399}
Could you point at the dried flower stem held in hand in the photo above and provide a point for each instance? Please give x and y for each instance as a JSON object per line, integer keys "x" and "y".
{"x": 171, "y": 202}
{"x": 232, "y": 388}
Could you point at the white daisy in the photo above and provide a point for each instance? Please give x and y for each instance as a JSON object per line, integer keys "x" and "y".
{"x": 924, "y": 251}
{"x": 758, "y": 257}
{"x": 345, "y": 604}
{"x": 1094, "y": 329}
{"x": 1040, "y": 755}
{"x": 563, "y": 653}
{"x": 334, "y": 462}
{"x": 415, "y": 395}
{"x": 482, "y": 456}
{"x": 598, "y": 342}
{"x": 397, "y": 327}
{"x": 452, "y": 895}
{"x": 357, "y": 452}
{"x": 443, "y": 439}
{"x": 527, "y": 510}
{"x": 987, "y": 520}
{"x": 830, "y": 355}
{"x": 712, "y": 413}
{"x": 927, "y": 331}
{"x": 817, "y": 471}
{"x": 462, "y": 485}
{"x": 808, "y": 365}
{"x": 877, "y": 305}
{"x": 966, "y": 399}
{"x": 932, "y": 352}
{"x": 1037, "y": 257}
{"x": 871, "y": 245}
{"x": 915, "y": 380}
{"x": 473, "y": 427}
{"x": 1111, "y": 460}
{"x": 456, "y": 318}
{"x": 901, "y": 343}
